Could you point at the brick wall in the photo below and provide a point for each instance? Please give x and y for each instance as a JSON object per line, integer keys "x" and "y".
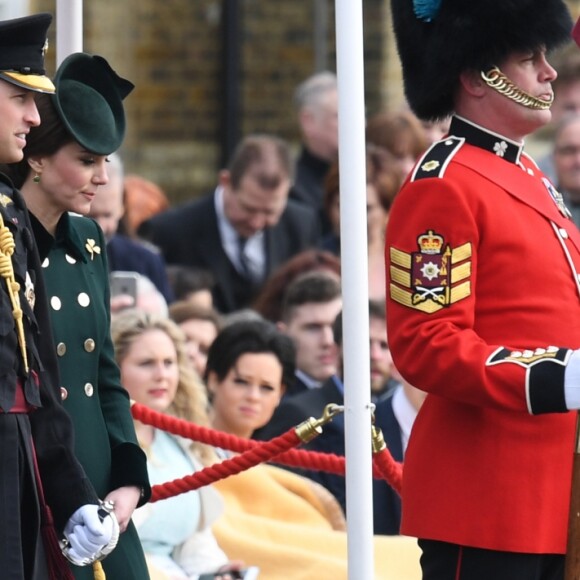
{"x": 173, "y": 51}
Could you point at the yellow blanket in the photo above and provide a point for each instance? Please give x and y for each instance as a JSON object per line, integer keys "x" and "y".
{"x": 273, "y": 519}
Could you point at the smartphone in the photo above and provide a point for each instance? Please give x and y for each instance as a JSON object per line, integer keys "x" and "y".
{"x": 124, "y": 283}
{"x": 251, "y": 573}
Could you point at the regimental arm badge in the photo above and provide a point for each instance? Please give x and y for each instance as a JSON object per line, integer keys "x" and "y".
{"x": 434, "y": 277}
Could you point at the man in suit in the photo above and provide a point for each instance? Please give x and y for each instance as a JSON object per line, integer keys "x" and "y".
{"x": 124, "y": 253}
{"x": 394, "y": 416}
{"x": 309, "y": 309}
{"x": 242, "y": 231}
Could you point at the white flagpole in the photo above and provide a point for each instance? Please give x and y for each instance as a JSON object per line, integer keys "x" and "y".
{"x": 69, "y": 28}
{"x": 354, "y": 259}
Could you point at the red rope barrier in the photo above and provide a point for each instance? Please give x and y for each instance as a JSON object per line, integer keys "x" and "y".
{"x": 189, "y": 430}
{"x": 390, "y": 470}
{"x": 316, "y": 460}
{"x": 294, "y": 457}
{"x": 237, "y": 464}
{"x": 384, "y": 466}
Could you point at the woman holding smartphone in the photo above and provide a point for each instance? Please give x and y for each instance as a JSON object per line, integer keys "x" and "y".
{"x": 63, "y": 167}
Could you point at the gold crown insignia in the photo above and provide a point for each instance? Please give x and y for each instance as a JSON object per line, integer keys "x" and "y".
{"x": 430, "y": 243}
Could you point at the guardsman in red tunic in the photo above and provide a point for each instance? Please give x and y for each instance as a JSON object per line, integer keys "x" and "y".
{"x": 483, "y": 295}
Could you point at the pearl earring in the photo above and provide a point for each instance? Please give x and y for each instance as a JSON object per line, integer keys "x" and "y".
{"x": 36, "y": 178}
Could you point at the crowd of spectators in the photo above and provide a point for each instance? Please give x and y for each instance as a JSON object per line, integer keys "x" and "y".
{"x": 261, "y": 254}
{"x": 258, "y": 260}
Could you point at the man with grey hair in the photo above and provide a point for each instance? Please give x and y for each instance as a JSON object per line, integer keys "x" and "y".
{"x": 316, "y": 101}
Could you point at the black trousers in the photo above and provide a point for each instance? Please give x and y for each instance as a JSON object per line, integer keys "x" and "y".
{"x": 22, "y": 554}
{"x": 443, "y": 561}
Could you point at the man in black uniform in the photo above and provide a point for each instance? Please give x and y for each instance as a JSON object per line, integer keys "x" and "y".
{"x": 38, "y": 470}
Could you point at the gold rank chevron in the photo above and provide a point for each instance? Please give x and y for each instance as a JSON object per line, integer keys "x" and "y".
{"x": 402, "y": 288}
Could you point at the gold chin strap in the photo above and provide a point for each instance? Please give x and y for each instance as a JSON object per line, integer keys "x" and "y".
{"x": 498, "y": 81}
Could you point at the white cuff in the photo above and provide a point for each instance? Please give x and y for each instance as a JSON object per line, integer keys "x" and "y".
{"x": 572, "y": 382}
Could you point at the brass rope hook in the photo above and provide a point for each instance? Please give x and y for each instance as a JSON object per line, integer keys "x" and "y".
{"x": 377, "y": 438}
{"x": 310, "y": 428}
{"x": 7, "y": 246}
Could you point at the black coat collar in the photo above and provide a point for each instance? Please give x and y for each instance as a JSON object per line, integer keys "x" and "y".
{"x": 485, "y": 139}
{"x": 65, "y": 234}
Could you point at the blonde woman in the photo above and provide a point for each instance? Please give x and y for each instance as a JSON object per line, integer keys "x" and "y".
{"x": 156, "y": 371}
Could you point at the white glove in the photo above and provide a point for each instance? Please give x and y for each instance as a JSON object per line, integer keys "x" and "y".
{"x": 90, "y": 534}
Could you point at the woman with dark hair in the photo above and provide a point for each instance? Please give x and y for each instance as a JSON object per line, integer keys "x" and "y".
{"x": 62, "y": 169}
{"x": 249, "y": 363}
{"x": 250, "y": 337}
{"x": 287, "y": 525}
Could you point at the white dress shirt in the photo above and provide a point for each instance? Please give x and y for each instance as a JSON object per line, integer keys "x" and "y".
{"x": 254, "y": 250}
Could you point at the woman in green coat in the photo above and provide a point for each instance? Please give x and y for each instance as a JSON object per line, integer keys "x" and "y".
{"x": 64, "y": 164}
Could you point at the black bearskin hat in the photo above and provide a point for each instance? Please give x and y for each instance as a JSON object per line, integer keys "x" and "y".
{"x": 439, "y": 39}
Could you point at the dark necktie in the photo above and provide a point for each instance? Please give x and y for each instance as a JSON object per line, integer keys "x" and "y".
{"x": 244, "y": 262}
